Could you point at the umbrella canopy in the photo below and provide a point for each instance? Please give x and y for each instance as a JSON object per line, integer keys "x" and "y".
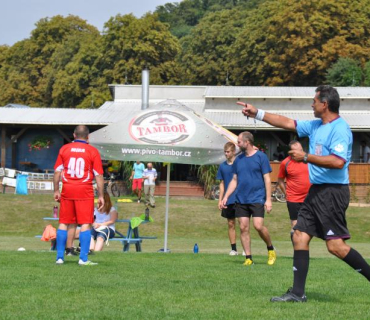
{"x": 170, "y": 132}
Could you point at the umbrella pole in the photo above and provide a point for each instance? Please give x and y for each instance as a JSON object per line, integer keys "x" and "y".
{"x": 167, "y": 205}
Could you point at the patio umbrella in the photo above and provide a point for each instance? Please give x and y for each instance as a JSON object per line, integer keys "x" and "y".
{"x": 169, "y": 132}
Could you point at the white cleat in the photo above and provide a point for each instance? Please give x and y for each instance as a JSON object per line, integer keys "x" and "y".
{"x": 86, "y": 263}
{"x": 59, "y": 261}
{"x": 233, "y": 253}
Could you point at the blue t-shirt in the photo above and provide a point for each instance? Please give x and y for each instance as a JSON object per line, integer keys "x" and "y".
{"x": 250, "y": 172}
{"x": 139, "y": 169}
{"x": 225, "y": 173}
{"x": 333, "y": 138}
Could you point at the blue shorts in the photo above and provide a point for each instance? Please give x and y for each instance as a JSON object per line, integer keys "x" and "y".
{"x": 95, "y": 234}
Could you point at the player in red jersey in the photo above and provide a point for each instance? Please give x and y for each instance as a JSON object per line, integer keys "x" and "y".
{"x": 297, "y": 183}
{"x": 76, "y": 166}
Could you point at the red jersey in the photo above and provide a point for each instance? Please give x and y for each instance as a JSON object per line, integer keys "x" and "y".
{"x": 297, "y": 179}
{"x": 79, "y": 163}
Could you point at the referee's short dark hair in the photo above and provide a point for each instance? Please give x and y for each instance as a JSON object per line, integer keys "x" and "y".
{"x": 330, "y": 95}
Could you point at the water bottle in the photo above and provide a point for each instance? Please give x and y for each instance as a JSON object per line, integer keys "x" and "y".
{"x": 196, "y": 248}
{"x": 55, "y": 212}
{"x": 147, "y": 213}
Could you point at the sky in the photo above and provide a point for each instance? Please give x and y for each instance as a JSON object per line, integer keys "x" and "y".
{"x": 18, "y": 17}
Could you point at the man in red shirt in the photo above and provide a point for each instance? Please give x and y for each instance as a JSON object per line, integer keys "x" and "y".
{"x": 297, "y": 183}
{"x": 76, "y": 166}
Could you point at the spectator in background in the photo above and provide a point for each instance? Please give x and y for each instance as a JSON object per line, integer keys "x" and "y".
{"x": 279, "y": 154}
{"x": 104, "y": 225}
{"x": 149, "y": 175}
{"x": 297, "y": 183}
{"x": 137, "y": 179}
{"x": 366, "y": 152}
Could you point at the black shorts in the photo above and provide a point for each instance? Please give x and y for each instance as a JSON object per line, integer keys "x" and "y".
{"x": 293, "y": 208}
{"x": 323, "y": 213}
{"x": 256, "y": 210}
{"x": 229, "y": 212}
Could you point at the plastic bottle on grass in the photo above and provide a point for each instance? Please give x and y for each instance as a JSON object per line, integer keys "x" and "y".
{"x": 55, "y": 212}
{"x": 146, "y": 213}
{"x": 196, "y": 248}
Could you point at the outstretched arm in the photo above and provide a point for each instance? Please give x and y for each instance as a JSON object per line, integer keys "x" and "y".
{"x": 270, "y": 118}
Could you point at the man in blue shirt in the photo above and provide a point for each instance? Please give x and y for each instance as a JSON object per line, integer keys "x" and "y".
{"x": 323, "y": 211}
{"x": 252, "y": 185}
{"x": 225, "y": 175}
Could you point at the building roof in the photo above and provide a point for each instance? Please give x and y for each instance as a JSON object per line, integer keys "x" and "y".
{"x": 358, "y": 121}
{"x": 216, "y": 103}
{"x": 281, "y": 92}
{"x": 54, "y": 116}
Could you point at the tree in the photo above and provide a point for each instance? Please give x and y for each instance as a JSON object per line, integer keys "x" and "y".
{"x": 367, "y": 74}
{"x": 183, "y": 16}
{"x": 29, "y": 68}
{"x": 345, "y": 72}
{"x": 292, "y": 42}
{"x": 205, "y": 55}
{"x": 130, "y": 43}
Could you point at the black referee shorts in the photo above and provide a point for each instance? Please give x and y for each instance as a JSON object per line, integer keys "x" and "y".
{"x": 323, "y": 213}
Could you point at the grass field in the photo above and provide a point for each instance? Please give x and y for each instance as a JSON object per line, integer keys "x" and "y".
{"x": 180, "y": 285}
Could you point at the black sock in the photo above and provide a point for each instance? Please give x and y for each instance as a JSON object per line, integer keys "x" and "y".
{"x": 270, "y": 247}
{"x": 357, "y": 262}
{"x": 248, "y": 257}
{"x": 301, "y": 261}
{"x": 233, "y": 246}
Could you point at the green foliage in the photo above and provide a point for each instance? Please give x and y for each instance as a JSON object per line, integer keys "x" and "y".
{"x": 40, "y": 142}
{"x": 67, "y": 63}
{"x": 183, "y": 16}
{"x": 207, "y": 176}
{"x": 345, "y": 72}
{"x": 206, "y": 50}
{"x": 292, "y": 42}
{"x": 127, "y": 168}
{"x": 367, "y": 74}
{"x": 130, "y": 44}
{"x": 42, "y": 71}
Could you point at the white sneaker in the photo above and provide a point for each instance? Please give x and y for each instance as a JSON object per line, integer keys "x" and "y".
{"x": 59, "y": 261}
{"x": 243, "y": 253}
{"x": 86, "y": 263}
{"x": 233, "y": 253}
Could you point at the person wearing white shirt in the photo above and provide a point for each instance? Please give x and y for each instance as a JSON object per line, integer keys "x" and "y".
{"x": 366, "y": 154}
{"x": 149, "y": 176}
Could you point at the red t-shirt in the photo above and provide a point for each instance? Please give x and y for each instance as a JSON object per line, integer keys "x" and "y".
{"x": 297, "y": 179}
{"x": 79, "y": 163}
